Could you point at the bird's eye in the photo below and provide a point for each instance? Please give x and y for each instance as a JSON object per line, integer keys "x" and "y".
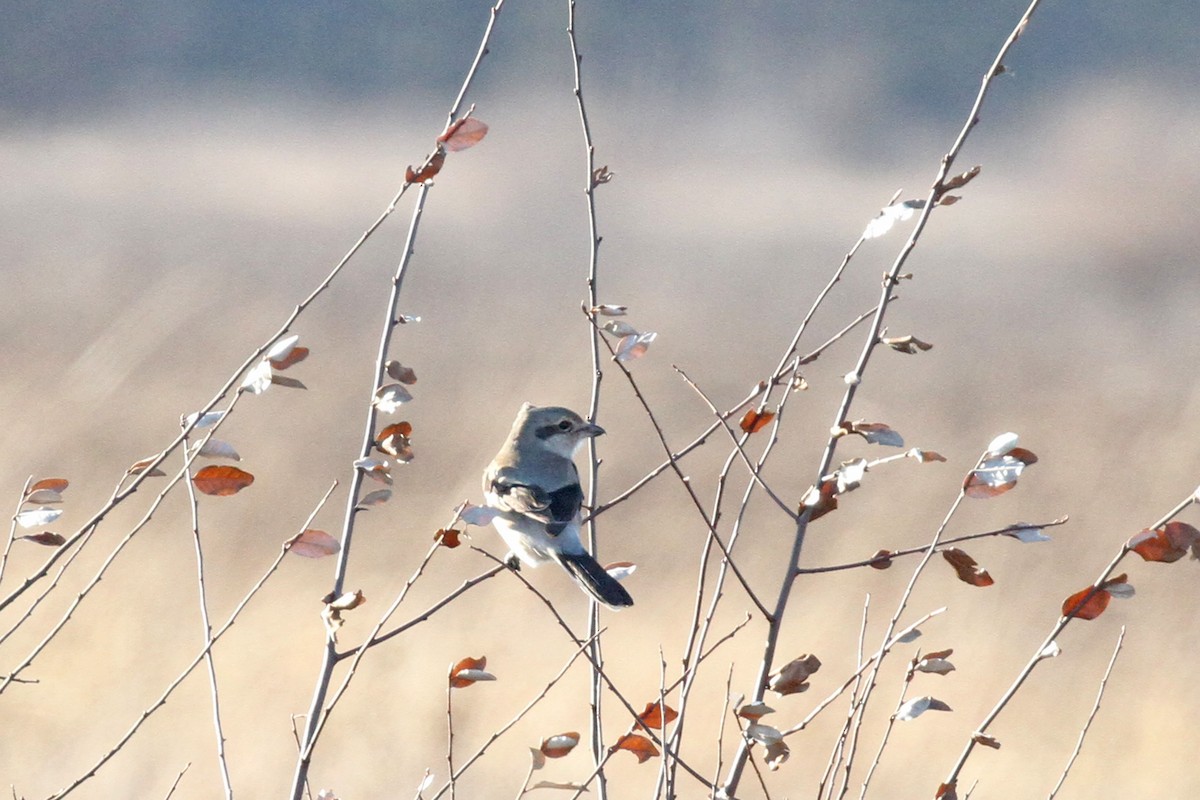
{"x": 565, "y": 425}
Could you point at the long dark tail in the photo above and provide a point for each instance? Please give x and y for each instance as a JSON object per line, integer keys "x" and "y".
{"x": 592, "y": 578}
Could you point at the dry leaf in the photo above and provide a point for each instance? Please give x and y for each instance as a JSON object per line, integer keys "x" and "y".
{"x": 755, "y": 421}
{"x": 222, "y": 481}
{"x": 637, "y": 744}
{"x": 906, "y": 344}
{"x": 882, "y": 559}
{"x": 389, "y": 398}
{"x": 655, "y": 715}
{"x": 967, "y": 568}
{"x": 793, "y": 676}
{"x": 448, "y": 538}
{"x": 469, "y": 671}
{"x": 463, "y": 133}
{"x": 375, "y": 498}
{"x": 433, "y": 167}
{"x": 297, "y": 355}
{"x": 1167, "y": 544}
{"x": 313, "y": 544}
{"x": 138, "y": 467}
{"x": 45, "y": 538}
{"x": 918, "y": 706}
{"x": 559, "y": 745}
{"x": 398, "y": 372}
{"x": 634, "y": 346}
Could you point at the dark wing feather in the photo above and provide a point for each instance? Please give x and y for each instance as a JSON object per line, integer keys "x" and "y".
{"x": 556, "y": 508}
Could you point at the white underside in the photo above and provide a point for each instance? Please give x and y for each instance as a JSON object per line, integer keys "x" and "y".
{"x": 527, "y": 538}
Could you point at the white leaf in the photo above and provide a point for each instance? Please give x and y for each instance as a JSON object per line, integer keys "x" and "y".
{"x": 36, "y": 517}
{"x": 913, "y": 708}
{"x": 763, "y": 734}
{"x": 1051, "y": 650}
{"x": 635, "y": 346}
{"x": 1001, "y": 470}
{"x": 389, "y": 398}
{"x": 215, "y": 448}
{"x": 1122, "y": 591}
{"x": 850, "y": 475}
{"x": 621, "y": 570}
{"x": 1029, "y": 535}
{"x": 206, "y": 421}
{"x": 375, "y": 469}
{"x": 1002, "y": 444}
{"x": 258, "y": 380}
{"x": 938, "y": 666}
{"x": 610, "y": 310}
{"x": 426, "y": 782}
{"x": 910, "y": 636}
{"x": 481, "y": 516}
{"x": 283, "y": 348}
{"x": 474, "y": 675}
{"x": 897, "y": 212}
{"x": 619, "y": 327}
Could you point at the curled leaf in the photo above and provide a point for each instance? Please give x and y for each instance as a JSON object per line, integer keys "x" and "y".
{"x": 469, "y": 671}
{"x": 448, "y": 538}
{"x": 463, "y": 133}
{"x": 906, "y": 344}
{"x": 918, "y": 706}
{"x": 428, "y": 170}
{"x": 389, "y": 398}
{"x": 634, "y": 346}
{"x": 754, "y": 421}
{"x": 637, "y": 744}
{"x": 559, "y": 745}
{"x": 793, "y": 676}
{"x": 967, "y": 568}
{"x": 656, "y": 715}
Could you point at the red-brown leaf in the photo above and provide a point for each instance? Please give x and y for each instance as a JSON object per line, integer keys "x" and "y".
{"x": 448, "y": 538}
{"x": 822, "y": 502}
{"x": 52, "y": 484}
{"x": 637, "y": 744}
{"x": 221, "y": 480}
{"x": 967, "y": 568}
{"x": 45, "y": 537}
{"x": 1166, "y": 544}
{"x": 463, "y": 133}
{"x": 1092, "y": 607}
{"x": 755, "y": 421}
{"x": 428, "y": 171}
{"x": 468, "y": 671}
{"x": 881, "y": 560}
{"x": 653, "y": 716}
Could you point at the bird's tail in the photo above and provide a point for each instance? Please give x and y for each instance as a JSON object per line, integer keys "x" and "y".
{"x": 594, "y": 580}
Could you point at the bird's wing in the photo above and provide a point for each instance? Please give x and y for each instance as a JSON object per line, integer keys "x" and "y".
{"x": 556, "y": 508}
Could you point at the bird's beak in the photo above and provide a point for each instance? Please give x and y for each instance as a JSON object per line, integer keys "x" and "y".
{"x": 591, "y": 430}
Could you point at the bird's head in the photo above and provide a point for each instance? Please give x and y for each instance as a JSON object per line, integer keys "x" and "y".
{"x": 559, "y": 430}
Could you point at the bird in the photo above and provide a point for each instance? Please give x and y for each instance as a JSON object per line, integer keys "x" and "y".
{"x": 533, "y": 485}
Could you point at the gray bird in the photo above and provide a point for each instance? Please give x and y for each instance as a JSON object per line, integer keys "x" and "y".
{"x": 534, "y": 485}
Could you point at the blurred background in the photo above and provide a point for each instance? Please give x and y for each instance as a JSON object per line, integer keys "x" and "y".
{"x": 177, "y": 176}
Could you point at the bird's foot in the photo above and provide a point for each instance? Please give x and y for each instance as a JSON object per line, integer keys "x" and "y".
{"x": 512, "y": 562}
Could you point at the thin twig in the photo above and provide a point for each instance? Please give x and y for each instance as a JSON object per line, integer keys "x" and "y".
{"x": 1091, "y": 717}
{"x": 503, "y": 729}
{"x": 178, "y": 778}
{"x": 589, "y": 193}
{"x": 116, "y": 551}
{"x": 855, "y": 377}
{"x": 944, "y": 543}
{"x": 206, "y": 626}
{"x": 450, "y": 732}
{"x": 683, "y": 479}
{"x": 12, "y": 528}
{"x": 1040, "y": 653}
{"x": 737, "y": 446}
{"x": 174, "y": 684}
